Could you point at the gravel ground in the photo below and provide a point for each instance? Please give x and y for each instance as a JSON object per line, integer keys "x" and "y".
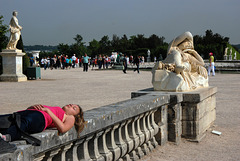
{"x": 97, "y": 88}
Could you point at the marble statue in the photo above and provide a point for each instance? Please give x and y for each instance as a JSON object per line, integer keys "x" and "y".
{"x": 235, "y": 56}
{"x": 183, "y": 69}
{"x": 15, "y": 29}
{"x": 226, "y": 49}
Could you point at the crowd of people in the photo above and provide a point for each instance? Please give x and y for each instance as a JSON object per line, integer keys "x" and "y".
{"x": 66, "y": 62}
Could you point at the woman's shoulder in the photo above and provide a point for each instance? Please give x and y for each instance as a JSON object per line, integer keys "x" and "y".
{"x": 68, "y": 118}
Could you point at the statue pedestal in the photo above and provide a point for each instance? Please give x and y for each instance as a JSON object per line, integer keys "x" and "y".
{"x": 225, "y": 57}
{"x": 229, "y": 57}
{"x": 12, "y": 66}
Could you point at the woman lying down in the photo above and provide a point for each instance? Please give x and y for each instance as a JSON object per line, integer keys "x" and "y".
{"x": 37, "y": 118}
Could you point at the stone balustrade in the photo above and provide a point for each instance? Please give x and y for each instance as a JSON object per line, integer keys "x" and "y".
{"x": 126, "y": 130}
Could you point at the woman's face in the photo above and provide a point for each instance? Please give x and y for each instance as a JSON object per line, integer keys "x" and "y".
{"x": 185, "y": 45}
{"x": 71, "y": 109}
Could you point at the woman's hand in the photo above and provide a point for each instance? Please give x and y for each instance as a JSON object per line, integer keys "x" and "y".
{"x": 37, "y": 107}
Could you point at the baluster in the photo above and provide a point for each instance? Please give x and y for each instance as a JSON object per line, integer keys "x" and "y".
{"x": 93, "y": 148}
{"x": 39, "y": 157}
{"x": 119, "y": 140}
{"x": 146, "y": 134}
{"x": 155, "y": 127}
{"x": 62, "y": 153}
{"x": 140, "y": 135}
{"x": 103, "y": 150}
{"x": 49, "y": 156}
{"x": 134, "y": 137}
{"x": 150, "y": 129}
{"x": 126, "y": 137}
{"x": 80, "y": 150}
{"x": 111, "y": 143}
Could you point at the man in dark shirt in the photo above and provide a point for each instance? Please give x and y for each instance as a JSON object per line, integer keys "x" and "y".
{"x": 136, "y": 61}
{"x": 125, "y": 64}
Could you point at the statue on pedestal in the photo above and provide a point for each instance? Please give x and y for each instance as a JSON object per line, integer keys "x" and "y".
{"x": 183, "y": 69}
{"x": 230, "y": 55}
{"x": 235, "y": 56}
{"x": 15, "y": 29}
{"x": 11, "y": 56}
{"x": 226, "y": 49}
{"x": 149, "y": 57}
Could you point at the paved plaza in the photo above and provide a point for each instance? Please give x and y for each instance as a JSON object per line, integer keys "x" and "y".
{"x": 96, "y": 88}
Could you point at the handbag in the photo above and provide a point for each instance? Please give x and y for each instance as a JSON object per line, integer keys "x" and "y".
{"x": 7, "y": 120}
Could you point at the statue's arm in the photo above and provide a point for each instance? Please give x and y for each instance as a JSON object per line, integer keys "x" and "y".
{"x": 196, "y": 57}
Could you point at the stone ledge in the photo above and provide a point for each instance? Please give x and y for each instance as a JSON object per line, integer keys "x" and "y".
{"x": 98, "y": 119}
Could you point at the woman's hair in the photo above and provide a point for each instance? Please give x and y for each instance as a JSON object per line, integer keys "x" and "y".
{"x": 79, "y": 121}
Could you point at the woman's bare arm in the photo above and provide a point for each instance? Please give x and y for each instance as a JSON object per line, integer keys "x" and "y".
{"x": 61, "y": 126}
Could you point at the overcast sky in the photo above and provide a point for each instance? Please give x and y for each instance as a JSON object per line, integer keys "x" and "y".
{"x": 50, "y": 22}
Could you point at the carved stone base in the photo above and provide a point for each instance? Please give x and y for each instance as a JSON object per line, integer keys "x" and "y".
{"x": 13, "y": 78}
{"x": 12, "y": 66}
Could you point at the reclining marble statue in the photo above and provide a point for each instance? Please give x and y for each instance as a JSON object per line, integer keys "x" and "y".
{"x": 182, "y": 70}
{"x": 15, "y": 29}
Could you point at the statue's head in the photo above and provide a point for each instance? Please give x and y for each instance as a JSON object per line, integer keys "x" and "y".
{"x": 183, "y": 41}
{"x": 15, "y": 13}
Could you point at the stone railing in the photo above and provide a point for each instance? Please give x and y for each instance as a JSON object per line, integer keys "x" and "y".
{"x": 126, "y": 130}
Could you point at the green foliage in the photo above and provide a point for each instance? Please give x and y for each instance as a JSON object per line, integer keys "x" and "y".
{"x": 26, "y": 61}
{"x": 94, "y": 46}
{"x": 3, "y": 39}
{"x": 214, "y": 43}
{"x": 234, "y": 49}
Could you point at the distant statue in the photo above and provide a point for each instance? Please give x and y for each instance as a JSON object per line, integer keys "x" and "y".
{"x": 226, "y": 50}
{"x": 148, "y": 52}
{"x": 235, "y": 56}
{"x": 15, "y": 29}
{"x": 183, "y": 69}
{"x": 230, "y": 52}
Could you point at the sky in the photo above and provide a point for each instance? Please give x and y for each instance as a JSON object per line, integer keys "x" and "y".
{"x": 51, "y": 22}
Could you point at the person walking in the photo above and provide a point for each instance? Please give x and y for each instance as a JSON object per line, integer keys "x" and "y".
{"x": 211, "y": 65}
{"x": 137, "y": 61}
{"x": 125, "y": 64}
{"x": 85, "y": 62}
{"x": 74, "y": 60}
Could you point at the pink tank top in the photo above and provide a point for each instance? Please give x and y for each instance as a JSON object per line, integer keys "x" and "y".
{"x": 58, "y": 111}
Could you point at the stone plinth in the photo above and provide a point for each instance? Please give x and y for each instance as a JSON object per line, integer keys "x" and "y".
{"x": 225, "y": 57}
{"x": 190, "y": 114}
{"x": 12, "y": 66}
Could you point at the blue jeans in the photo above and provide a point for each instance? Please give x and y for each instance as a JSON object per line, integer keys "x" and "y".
{"x": 31, "y": 122}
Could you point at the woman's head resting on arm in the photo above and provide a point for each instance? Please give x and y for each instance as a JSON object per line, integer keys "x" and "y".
{"x": 77, "y": 112}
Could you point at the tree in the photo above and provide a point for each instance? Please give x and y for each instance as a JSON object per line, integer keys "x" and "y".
{"x": 78, "y": 48}
{"x": 115, "y": 43}
{"x": 25, "y": 61}
{"x": 3, "y": 37}
{"x": 214, "y": 43}
{"x": 63, "y": 48}
{"x": 78, "y": 40}
{"x": 105, "y": 45}
{"x": 154, "y": 41}
{"x": 94, "y": 46}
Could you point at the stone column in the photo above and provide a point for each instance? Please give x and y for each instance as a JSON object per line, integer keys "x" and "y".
{"x": 12, "y": 66}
